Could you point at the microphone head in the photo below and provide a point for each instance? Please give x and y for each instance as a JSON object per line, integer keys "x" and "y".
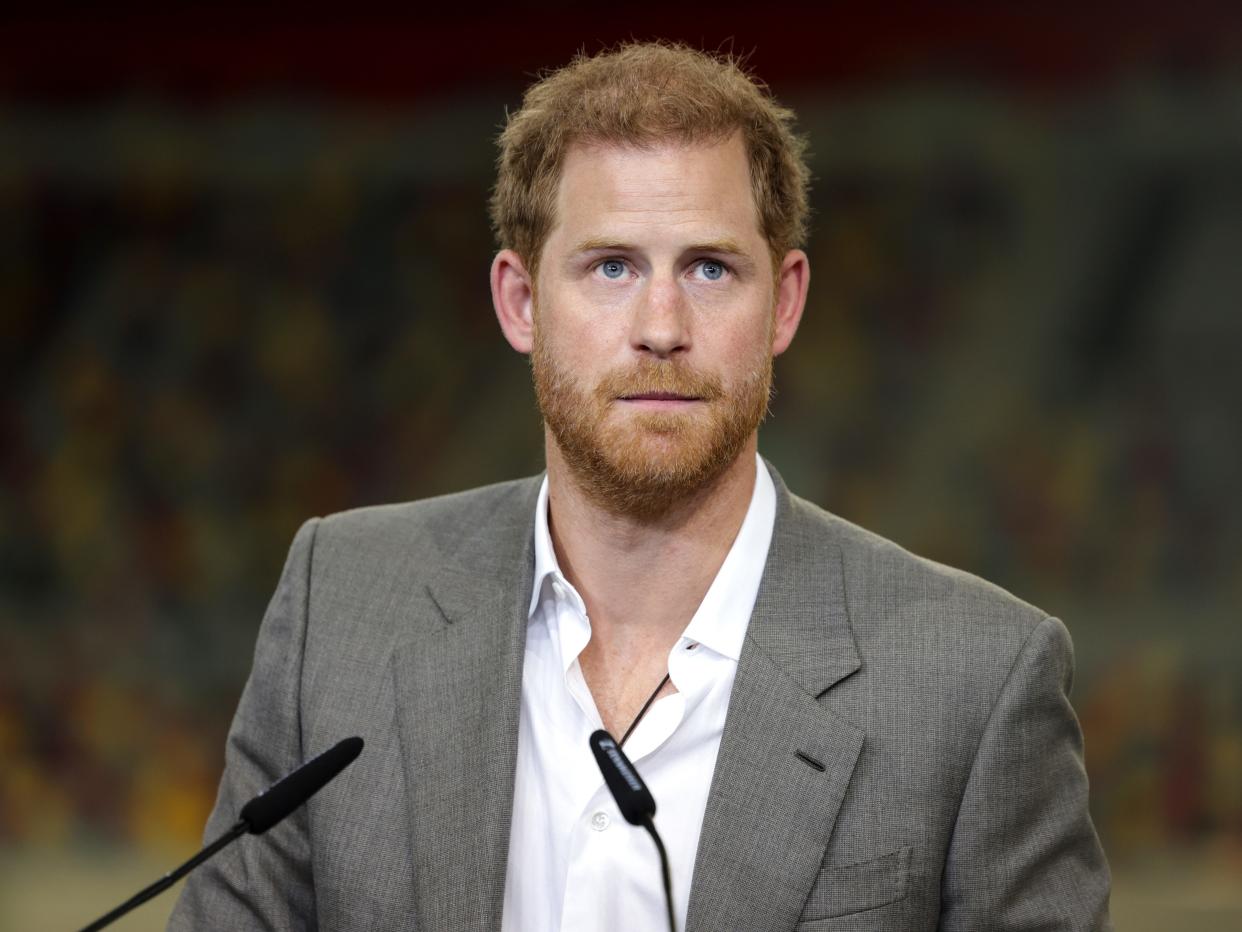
{"x": 633, "y": 798}
{"x": 276, "y": 802}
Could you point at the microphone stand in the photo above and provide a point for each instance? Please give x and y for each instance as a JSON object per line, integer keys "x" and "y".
{"x": 668, "y": 879}
{"x": 256, "y": 817}
{"x": 170, "y": 878}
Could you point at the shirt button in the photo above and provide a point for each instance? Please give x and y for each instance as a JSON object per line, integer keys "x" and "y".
{"x": 600, "y": 821}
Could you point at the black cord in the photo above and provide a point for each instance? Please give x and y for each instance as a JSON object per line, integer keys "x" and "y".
{"x": 668, "y": 880}
{"x": 643, "y": 710}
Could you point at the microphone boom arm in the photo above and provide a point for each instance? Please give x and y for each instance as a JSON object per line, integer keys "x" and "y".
{"x": 170, "y": 878}
{"x": 668, "y": 879}
{"x": 256, "y": 817}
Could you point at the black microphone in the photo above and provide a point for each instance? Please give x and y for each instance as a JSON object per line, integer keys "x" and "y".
{"x": 256, "y": 817}
{"x": 280, "y": 799}
{"x": 634, "y": 800}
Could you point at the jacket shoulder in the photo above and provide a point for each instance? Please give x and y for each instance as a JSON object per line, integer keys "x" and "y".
{"x": 367, "y": 570}
{"x": 444, "y": 523}
{"x": 888, "y": 585}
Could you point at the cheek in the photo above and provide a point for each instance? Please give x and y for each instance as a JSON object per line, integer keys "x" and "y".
{"x": 572, "y": 346}
{"x": 568, "y": 351}
{"x": 744, "y": 345}
{"x": 583, "y": 341}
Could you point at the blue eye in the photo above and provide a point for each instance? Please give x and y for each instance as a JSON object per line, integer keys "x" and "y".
{"x": 612, "y": 268}
{"x": 712, "y": 271}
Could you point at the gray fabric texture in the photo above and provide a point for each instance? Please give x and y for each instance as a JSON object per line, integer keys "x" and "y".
{"x": 899, "y": 753}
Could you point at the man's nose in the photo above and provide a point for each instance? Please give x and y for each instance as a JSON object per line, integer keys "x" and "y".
{"x": 661, "y": 320}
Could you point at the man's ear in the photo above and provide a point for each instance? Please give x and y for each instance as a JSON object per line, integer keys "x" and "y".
{"x": 513, "y": 298}
{"x": 792, "y": 280}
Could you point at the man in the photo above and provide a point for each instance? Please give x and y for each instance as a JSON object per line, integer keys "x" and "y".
{"x": 838, "y": 734}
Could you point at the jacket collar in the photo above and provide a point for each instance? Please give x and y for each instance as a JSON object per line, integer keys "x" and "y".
{"x": 457, "y": 683}
{"x": 785, "y": 760}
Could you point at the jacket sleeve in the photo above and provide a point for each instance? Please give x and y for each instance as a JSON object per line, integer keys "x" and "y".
{"x": 1024, "y": 854}
{"x": 262, "y": 882}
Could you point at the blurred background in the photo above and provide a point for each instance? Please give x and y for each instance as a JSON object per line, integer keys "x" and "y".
{"x": 243, "y": 281}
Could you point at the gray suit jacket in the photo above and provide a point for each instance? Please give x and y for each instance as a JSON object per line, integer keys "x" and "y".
{"x": 952, "y": 793}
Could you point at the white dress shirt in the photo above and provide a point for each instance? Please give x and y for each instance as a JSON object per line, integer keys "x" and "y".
{"x": 574, "y": 863}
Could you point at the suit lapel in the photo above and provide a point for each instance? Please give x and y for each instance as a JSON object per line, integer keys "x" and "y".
{"x": 785, "y": 761}
{"x": 458, "y": 684}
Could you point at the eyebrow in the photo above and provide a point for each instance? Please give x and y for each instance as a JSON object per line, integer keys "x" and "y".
{"x": 726, "y": 246}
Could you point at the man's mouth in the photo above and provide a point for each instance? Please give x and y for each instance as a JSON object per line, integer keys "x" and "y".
{"x": 660, "y": 397}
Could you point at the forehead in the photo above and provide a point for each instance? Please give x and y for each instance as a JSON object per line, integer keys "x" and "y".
{"x": 623, "y": 191}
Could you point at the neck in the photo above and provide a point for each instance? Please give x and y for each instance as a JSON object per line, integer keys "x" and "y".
{"x": 642, "y": 578}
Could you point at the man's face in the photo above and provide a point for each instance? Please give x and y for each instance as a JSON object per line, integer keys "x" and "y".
{"x": 653, "y": 320}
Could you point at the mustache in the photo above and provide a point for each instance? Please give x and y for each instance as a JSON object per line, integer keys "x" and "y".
{"x": 651, "y": 377}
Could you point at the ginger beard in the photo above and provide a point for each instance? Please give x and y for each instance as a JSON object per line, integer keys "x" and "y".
{"x": 642, "y": 463}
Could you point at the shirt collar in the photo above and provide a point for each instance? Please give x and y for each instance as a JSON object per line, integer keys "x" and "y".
{"x": 721, "y": 619}
{"x": 545, "y": 555}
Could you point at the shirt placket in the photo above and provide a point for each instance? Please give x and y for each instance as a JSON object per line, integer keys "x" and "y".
{"x": 608, "y": 858}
